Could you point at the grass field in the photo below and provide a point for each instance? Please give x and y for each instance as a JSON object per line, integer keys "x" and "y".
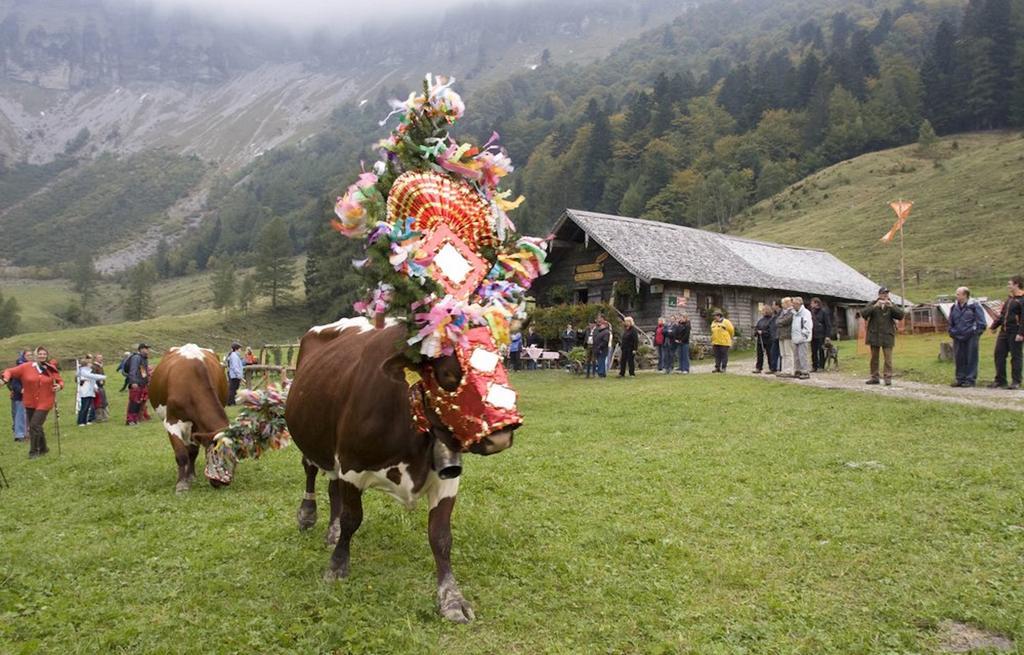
{"x": 965, "y": 198}
{"x": 700, "y": 514}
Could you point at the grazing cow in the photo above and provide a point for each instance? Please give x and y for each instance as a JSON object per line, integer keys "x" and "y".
{"x": 188, "y": 391}
{"x": 368, "y": 417}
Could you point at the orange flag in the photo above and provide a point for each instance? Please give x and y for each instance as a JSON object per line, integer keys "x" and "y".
{"x": 902, "y": 209}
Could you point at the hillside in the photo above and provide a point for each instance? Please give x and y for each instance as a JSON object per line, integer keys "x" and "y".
{"x": 137, "y": 77}
{"x": 208, "y": 328}
{"x": 966, "y": 198}
{"x": 43, "y": 301}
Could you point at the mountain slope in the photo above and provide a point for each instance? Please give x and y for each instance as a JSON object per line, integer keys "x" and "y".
{"x": 139, "y": 78}
{"x": 968, "y": 205}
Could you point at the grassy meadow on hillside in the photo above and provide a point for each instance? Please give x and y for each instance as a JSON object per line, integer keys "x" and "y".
{"x": 967, "y": 198}
{"x": 703, "y": 514}
{"x": 209, "y": 328}
{"x": 42, "y": 302}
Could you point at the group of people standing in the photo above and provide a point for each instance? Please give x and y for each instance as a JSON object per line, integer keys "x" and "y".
{"x": 967, "y": 324}
{"x": 790, "y": 338}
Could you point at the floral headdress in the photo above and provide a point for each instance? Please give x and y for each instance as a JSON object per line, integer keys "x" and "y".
{"x": 440, "y": 249}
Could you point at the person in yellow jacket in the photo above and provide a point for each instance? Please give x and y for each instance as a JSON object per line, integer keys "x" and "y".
{"x": 722, "y": 333}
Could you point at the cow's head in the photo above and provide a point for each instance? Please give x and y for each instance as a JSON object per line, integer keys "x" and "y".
{"x": 467, "y": 399}
{"x": 220, "y": 463}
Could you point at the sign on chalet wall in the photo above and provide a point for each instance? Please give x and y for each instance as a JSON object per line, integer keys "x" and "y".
{"x": 591, "y": 272}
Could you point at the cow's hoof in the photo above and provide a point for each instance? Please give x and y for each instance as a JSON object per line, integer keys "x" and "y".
{"x": 182, "y": 486}
{"x": 333, "y": 534}
{"x": 306, "y": 515}
{"x": 453, "y": 606}
{"x": 334, "y": 574}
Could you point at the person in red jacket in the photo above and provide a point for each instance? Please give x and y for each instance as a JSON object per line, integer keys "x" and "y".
{"x": 40, "y": 383}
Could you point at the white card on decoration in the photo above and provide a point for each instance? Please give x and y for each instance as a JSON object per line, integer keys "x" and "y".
{"x": 452, "y": 263}
{"x": 500, "y": 396}
{"x": 484, "y": 360}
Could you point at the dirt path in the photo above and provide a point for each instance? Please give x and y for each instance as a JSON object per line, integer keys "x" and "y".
{"x": 975, "y": 396}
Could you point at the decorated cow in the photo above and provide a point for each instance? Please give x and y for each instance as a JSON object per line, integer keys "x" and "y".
{"x": 392, "y": 399}
{"x": 188, "y": 391}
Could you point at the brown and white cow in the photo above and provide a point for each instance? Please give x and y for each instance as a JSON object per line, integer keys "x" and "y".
{"x": 188, "y": 391}
{"x": 350, "y": 413}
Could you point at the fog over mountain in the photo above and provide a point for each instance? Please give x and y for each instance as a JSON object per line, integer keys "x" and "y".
{"x": 324, "y": 16}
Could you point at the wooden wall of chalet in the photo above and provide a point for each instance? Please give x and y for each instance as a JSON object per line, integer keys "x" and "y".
{"x": 589, "y": 274}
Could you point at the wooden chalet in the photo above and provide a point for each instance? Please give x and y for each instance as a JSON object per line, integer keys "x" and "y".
{"x": 649, "y": 269}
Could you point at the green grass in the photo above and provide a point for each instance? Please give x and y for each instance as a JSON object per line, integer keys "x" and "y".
{"x": 916, "y": 358}
{"x": 209, "y": 328}
{"x": 706, "y": 514}
{"x": 964, "y": 203}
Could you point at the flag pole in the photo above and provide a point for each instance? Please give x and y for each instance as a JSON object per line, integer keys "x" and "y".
{"x": 903, "y": 280}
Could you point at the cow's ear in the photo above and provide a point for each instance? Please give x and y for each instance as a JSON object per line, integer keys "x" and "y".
{"x": 397, "y": 367}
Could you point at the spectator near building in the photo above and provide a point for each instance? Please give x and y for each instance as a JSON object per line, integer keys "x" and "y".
{"x": 628, "y": 342}
{"x": 236, "y": 371}
{"x": 722, "y": 333}
{"x": 1010, "y": 339}
{"x": 966, "y": 325}
{"x": 881, "y": 316}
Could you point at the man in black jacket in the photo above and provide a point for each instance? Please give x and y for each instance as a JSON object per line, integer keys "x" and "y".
{"x": 821, "y": 330}
{"x": 763, "y": 337}
{"x": 629, "y": 342}
{"x": 1011, "y": 335}
{"x": 680, "y": 335}
{"x": 602, "y": 346}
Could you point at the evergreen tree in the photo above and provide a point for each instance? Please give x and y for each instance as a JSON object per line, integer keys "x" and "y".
{"x": 1015, "y": 113}
{"x": 246, "y": 292}
{"x": 83, "y": 279}
{"x": 162, "y": 258}
{"x": 332, "y": 284}
{"x": 841, "y": 28}
{"x": 982, "y": 98}
{"x": 596, "y": 155}
{"x": 222, "y": 284}
{"x": 663, "y": 111}
{"x": 807, "y": 79}
{"x": 275, "y": 272}
{"x": 736, "y": 96}
{"x": 638, "y": 115}
{"x": 926, "y": 139}
{"x": 940, "y": 93}
{"x": 138, "y": 303}
{"x": 10, "y": 316}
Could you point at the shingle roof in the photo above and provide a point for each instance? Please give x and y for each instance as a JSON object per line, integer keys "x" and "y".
{"x": 652, "y": 250}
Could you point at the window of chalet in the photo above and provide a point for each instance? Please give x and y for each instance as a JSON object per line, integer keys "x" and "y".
{"x": 705, "y": 301}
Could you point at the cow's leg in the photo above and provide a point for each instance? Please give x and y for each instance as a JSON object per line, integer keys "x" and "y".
{"x": 193, "y": 453}
{"x": 450, "y": 602}
{"x": 307, "y": 508}
{"x": 349, "y": 501}
{"x": 181, "y": 456}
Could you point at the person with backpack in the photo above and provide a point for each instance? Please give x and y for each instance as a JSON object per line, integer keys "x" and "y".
{"x": 18, "y": 421}
{"x": 138, "y": 381}
{"x": 122, "y": 368}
